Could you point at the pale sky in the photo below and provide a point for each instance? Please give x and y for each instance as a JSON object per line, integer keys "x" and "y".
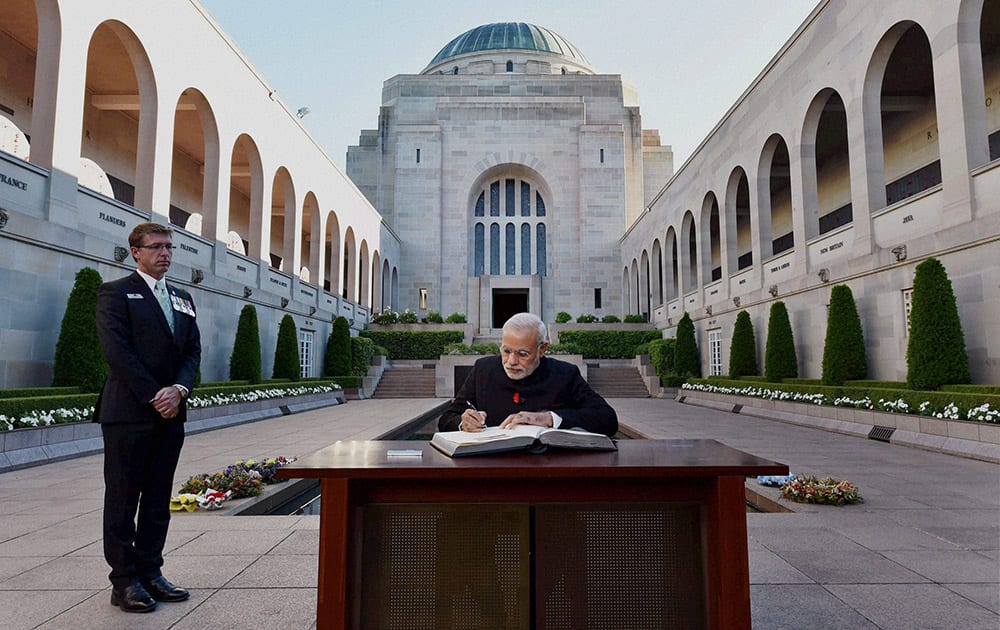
{"x": 689, "y": 59}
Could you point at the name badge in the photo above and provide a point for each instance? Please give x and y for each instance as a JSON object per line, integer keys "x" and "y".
{"x": 134, "y": 296}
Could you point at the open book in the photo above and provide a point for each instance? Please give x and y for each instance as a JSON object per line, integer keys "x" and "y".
{"x": 521, "y": 438}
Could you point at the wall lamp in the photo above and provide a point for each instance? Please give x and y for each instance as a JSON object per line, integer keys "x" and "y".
{"x": 197, "y": 276}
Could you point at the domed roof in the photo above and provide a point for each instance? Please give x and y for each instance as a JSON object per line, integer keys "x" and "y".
{"x": 504, "y": 35}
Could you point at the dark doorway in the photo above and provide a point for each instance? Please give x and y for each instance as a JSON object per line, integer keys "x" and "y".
{"x": 508, "y": 302}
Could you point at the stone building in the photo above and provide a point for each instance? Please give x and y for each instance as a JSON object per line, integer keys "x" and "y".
{"x": 509, "y": 167}
{"x": 106, "y": 121}
{"x": 869, "y": 143}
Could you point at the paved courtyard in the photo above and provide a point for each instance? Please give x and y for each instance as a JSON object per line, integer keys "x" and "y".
{"x": 923, "y": 551}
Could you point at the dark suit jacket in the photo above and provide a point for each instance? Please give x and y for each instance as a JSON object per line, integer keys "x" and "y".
{"x": 555, "y": 386}
{"x": 142, "y": 354}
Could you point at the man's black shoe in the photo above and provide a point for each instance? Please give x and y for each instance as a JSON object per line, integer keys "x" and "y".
{"x": 133, "y": 598}
{"x": 163, "y": 591}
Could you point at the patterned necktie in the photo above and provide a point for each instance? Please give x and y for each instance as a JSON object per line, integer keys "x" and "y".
{"x": 164, "y": 300}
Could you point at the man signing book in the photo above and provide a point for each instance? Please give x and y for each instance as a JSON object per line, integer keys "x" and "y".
{"x": 523, "y": 386}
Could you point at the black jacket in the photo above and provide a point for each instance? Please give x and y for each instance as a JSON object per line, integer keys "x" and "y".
{"x": 143, "y": 355}
{"x": 555, "y": 386}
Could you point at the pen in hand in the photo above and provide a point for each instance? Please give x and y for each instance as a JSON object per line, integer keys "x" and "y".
{"x": 479, "y": 413}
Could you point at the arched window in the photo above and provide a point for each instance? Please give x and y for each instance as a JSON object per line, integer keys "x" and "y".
{"x": 510, "y": 66}
{"x": 505, "y": 248}
{"x": 454, "y": 70}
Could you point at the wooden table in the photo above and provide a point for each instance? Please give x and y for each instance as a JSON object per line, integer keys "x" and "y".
{"x": 396, "y": 529}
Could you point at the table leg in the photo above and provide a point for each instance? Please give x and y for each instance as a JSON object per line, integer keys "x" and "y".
{"x": 334, "y": 528}
{"x": 728, "y": 565}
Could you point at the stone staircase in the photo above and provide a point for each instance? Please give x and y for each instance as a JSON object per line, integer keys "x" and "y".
{"x": 616, "y": 381}
{"x": 407, "y": 379}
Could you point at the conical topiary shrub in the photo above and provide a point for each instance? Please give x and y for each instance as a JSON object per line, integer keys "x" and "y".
{"x": 338, "y": 349}
{"x": 844, "y": 357}
{"x": 779, "y": 353}
{"x": 244, "y": 363}
{"x": 743, "y": 349}
{"x": 286, "y": 351}
{"x": 935, "y": 354}
{"x": 686, "y": 360}
{"x": 79, "y": 360}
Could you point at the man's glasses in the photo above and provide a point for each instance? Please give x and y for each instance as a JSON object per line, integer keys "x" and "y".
{"x": 158, "y": 247}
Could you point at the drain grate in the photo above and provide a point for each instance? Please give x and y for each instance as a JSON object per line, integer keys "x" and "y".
{"x": 737, "y": 408}
{"x": 880, "y": 433}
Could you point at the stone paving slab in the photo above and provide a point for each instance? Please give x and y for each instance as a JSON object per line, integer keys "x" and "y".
{"x": 924, "y": 548}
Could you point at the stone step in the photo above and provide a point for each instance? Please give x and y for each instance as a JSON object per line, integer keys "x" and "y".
{"x": 617, "y": 382}
{"x": 411, "y": 381}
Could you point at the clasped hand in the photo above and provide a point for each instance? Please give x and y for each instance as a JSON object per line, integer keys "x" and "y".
{"x": 167, "y": 402}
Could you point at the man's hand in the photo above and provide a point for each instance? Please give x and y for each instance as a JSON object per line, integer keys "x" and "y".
{"x": 537, "y": 418}
{"x": 167, "y": 402}
{"x": 472, "y": 421}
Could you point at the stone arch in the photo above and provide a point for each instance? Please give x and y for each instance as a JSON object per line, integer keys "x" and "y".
{"x": 363, "y": 288}
{"x": 774, "y": 198}
{"x": 672, "y": 279}
{"x": 349, "y": 287}
{"x": 332, "y": 258}
{"x": 281, "y": 221}
{"x": 310, "y": 243}
{"x": 899, "y": 102}
{"x": 194, "y": 174}
{"x": 739, "y": 240}
{"x": 711, "y": 243}
{"x": 120, "y": 113}
{"x": 657, "y": 271}
{"x": 826, "y": 167}
{"x": 245, "y": 216}
{"x": 689, "y": 253}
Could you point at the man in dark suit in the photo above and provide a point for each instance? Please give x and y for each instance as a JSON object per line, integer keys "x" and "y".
{"x": 151, "y": 342}
{"x": 523, "y": 386}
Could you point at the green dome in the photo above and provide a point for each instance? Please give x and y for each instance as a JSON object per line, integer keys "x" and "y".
{"x": 509, "y": 35}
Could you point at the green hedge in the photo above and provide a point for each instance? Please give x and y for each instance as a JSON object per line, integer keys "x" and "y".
{"x": 362, "y": 351}
{"x": 661, "y": 355}
{"x": 34, "y": 392}
{"x": 876, "y": 384}
{"x": 972, "y": 389}
{"x": 414, "y": 345}
{"x": 347, "y": 382}
{"x": 17, "y": 407}
{"x": 801, "y": 381}
{"x": 221, "y": 384}
{"x": 608, "y": 344}
{"x": 472, "y": 350}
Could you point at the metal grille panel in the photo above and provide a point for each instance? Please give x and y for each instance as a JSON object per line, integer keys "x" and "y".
{"x": 619, "y": 567}
{"x": 437, "y": 566}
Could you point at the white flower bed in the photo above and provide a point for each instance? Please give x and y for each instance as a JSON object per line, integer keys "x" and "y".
{"x": 951, "y": 411}
{"x": 68, "y": 416}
